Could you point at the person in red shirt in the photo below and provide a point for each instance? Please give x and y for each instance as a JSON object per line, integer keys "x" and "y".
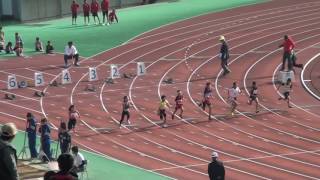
{"x": 86, "y": 12}
{"x": 74, "y": 11}
{"x": 113, "y": 16}
{"x": 94, "y": 10}
{"x": 288, "y": 46}
{"x": 105, "y": 11}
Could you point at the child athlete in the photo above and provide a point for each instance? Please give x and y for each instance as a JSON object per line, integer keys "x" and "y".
{"x": 207, "y": 95}
{"x": 179, "y": 104}
{"x": 125, "y": 110}
{"x": 233, "y": 93}
{"x": 286, "y": 89}
{"x": 163, "y": 106}
{"x": 254, "y": 95}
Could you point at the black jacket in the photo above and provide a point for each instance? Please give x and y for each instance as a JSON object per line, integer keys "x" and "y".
{"x": 8, "y": 161}
{"x": 216, "y": 170}
{"x": 224, "y": 51}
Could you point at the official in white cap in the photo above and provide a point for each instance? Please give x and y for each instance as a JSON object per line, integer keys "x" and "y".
{"x": 224, "y": 55}
{"x": 8, "y": 157}
{"x": 215, "y": 168}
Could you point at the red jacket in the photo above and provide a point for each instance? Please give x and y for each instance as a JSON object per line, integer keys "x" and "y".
{"x": 94, "y": 7}
{"x": 105, "y": 5}
{"x": 74, "y": 7}
{"x": 288, "y": 45}
{"x": 86, "y": 7}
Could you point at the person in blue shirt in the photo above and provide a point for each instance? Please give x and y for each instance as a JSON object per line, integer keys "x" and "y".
{"x": 44, "y": 130}
{"x": 64, "y": 138}
{"x": 32, "y": 135}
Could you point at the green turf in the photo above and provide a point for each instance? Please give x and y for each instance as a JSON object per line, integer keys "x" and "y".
{"x": 92, "y": 39}
{"x": 101, "y": 168}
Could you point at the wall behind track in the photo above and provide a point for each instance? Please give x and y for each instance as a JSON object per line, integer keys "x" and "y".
{"x": 28, "y": 10}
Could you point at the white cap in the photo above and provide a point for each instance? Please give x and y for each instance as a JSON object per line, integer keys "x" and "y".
{"x": 221, "y": 38}
{"x": 214, "y": 154}
{"x": 8, "y": 129}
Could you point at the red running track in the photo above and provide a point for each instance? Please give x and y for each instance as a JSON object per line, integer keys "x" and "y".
{"x": 278, "y": 143}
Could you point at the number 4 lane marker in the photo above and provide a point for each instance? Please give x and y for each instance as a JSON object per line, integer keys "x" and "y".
{"x": 66, "y": 77}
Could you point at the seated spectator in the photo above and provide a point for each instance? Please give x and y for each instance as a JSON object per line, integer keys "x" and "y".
{"x": 18, "y": 48}
{"x": 8, "y": 154}
{"x": 65, "y": 163}
{"x": 2, "y": 41}
{"x": 113, "y": 16}
{"x": 49, "y": 48}
{"x": 9, "y": 49}
{"x": 38, "y": 45}
{"x": 79, "y": 160}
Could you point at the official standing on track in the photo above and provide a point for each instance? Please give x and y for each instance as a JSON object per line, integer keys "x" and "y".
{"x": 215, "y": 168}
{"x": 224, "y": 55}
{"x": 45, "y": 131}
{"x": 32, "y": 135}
{"x": 288, "y": 46}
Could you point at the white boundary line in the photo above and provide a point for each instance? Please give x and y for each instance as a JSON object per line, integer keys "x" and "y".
{"x": 303, "y": 81}
{"x": 136, "y": 107}
{"x": 259, "y": 14}
{"x": 246, "y": 89}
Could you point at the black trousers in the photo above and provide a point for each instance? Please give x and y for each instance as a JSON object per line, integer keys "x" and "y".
{"x": 124, "y": 113}
{"x": 76, "y": 57}
{"x": 287, "y": 56}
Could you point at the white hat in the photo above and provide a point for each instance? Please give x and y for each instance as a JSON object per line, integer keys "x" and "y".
{"x": 8, "y": 129}
{"x": 221, "y": 38}
{"x": 214, "y": 154}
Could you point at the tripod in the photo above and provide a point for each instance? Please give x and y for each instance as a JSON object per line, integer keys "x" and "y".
{"x": 23, "y": 152}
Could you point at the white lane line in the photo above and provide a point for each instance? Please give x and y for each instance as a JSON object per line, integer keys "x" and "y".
{"x": 259, "y": 13}
{"x": 292, "y": 172}
{"x": 302, "y": 77}
{"x": 247, "y": 91}
{"x": 239, "y": 160}
{"x": 33, "y": 70}
{"x": 294, "y": 105}
{"x": 222, "y": 98}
